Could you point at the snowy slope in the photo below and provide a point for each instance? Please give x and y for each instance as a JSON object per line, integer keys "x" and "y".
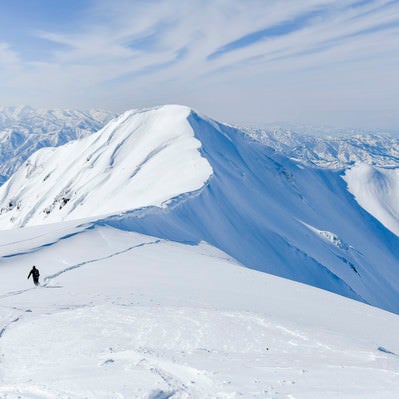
{"x": 333, "y": 152}
{"x": 377, "y": 191}
{"x": 172, "y": 173}
{"x": 122, "y": 315}
{"x": 137, "y": 160}
{"x": 23, "y": 130}
{"x": 276, "y": 216}
{"x": 374, "y": 180}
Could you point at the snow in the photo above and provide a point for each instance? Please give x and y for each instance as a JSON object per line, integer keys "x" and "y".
{"x": 377, "y": 191}
{"x": 24, "y": 130}
{"x": 159, "y": 240}
{"x": 256, "y": 206}
{"x": 329, "y": 237}
{"x": 139, "y": 159}
{"x": 172, "y": 173}
{"x": 123, "y": 315}
{"x": 329, "y": 148}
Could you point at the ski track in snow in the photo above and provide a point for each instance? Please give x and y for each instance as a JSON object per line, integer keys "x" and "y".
{"x": 13, "y": 293}
{"x": 181, "y": 322}
{"x": 4, "y": 329}
{"x": 172, "y": 173}
{"x": 47, "y": 279}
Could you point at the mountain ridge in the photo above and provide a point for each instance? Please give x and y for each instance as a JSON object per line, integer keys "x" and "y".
{"x": 331, "y": 152}
{"x": 136, "y": 167}
{"x": 193, "y": 179}
{"x": 24, "y": 130}
{"x": 274, "y": 238}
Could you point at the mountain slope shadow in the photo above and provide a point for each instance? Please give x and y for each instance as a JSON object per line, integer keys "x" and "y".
{"x": 256, "y": 206}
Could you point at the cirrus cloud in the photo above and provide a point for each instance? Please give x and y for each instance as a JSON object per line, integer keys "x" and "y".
{"x": 317, "y": 61}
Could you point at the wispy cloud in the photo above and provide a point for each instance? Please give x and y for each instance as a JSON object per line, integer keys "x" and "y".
{"x": 124, "y": 53}
{"x": 280, "y": 29}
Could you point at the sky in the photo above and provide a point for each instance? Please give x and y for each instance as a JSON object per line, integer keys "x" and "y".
{"x": 247, "y": 62}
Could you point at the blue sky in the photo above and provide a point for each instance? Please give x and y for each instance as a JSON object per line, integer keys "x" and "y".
{"x": 247, "y": 62}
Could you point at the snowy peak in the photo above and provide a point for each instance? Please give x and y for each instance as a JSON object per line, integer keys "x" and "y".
{"x": 171, "y": 173}
{"x": 277, "y": 216}
{"x": 332, "y": 152}
{"x": 24, "y": 130}
{"x": 139, "y": 159}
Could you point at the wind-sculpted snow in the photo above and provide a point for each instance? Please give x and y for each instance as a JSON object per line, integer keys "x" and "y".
{"x": 122, "y": 315}
{"x": 125, "y": 315}
{"x": 173, "y": 174}
{"x": 24, "y": 130}
{"x": 330, "y": 237}
{"x": 138, "y": 159}
{"x": 332, "y": 152}
{"x": 256, "y": 207}
{"x": 377, "y": 191}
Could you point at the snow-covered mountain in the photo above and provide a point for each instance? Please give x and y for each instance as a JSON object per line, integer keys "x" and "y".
{"x": 23, "y": 130}
{"x": 137, "y": 160}
{"x": 332, "y": 152}
{"x": 171, "y": 173}
{"x": 170, "y": 313}
{"x": 377, "y": 191}
{"x": 122, "y": 315}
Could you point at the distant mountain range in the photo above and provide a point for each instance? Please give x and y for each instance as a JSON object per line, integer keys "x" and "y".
{"x": 24, "y": 130}
{"x": 333, "y": 152}
{"x": 145, "y": 230}
{"x": 172, "y": 173}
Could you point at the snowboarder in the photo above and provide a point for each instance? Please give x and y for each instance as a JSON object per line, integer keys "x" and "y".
{"x": 35, "y": 275}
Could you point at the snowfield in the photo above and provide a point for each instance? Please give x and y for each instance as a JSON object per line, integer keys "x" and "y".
{"x": 164, "y": 242}
{"x": 172, "y": 173}
{"x": 123, "y": 315}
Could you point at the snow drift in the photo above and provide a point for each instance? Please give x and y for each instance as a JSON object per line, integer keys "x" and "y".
{"x": 377, "y": 191}
{"x": 172, "y": 173}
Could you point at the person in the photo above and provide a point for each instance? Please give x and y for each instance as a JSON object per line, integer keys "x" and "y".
{"x": 35, "y": 275}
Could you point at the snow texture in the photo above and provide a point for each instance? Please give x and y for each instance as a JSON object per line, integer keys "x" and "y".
{"x": 24, "y": 130}
{"x": 144, "y": 293}
{"x": 123, "y": 315}
{"x": 171, "y": 173}
{"x": 377, "y": 191}
{"x": 137, "y": 160}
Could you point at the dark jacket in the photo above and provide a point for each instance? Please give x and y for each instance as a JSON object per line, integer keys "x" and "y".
{"x": 35, "y": 273}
